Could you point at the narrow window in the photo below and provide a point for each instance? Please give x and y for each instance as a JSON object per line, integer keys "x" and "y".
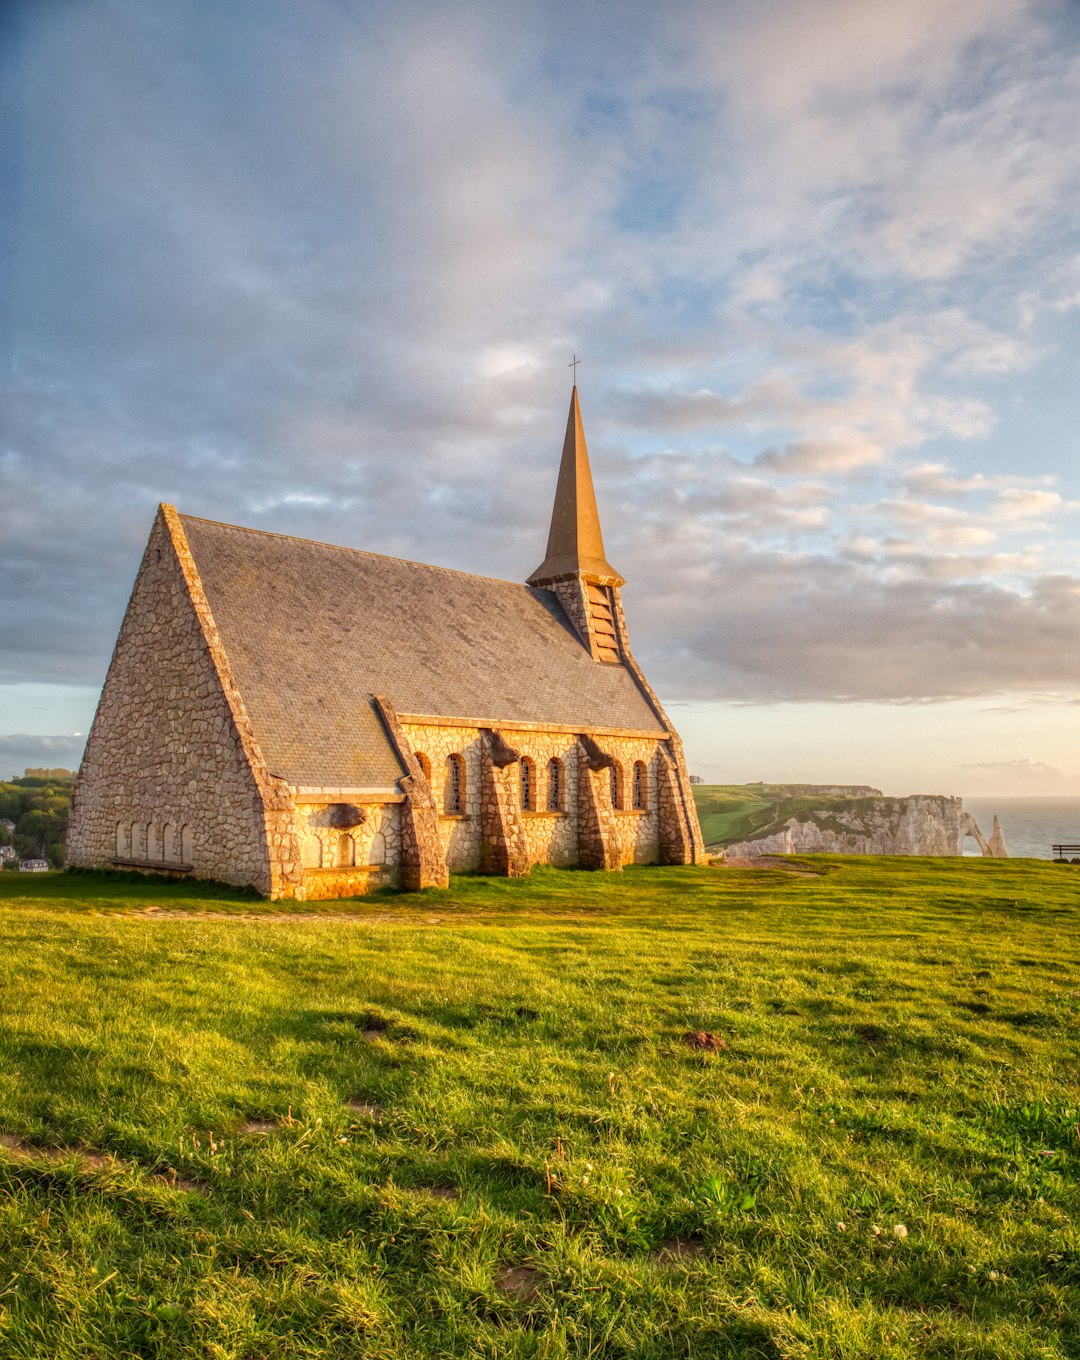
{"x": 168, "y": 842}
{"x": 424, "y": 764}
{"x": 455, "y": 784}
{"x": 138, "y": 840}
{"x": 641, "y": 787}
{"x": 616, "y": 785}
{"x": 528, "y": 785}
{"x": 186, "y": 846}
{"x": 311, "y": 852}
{"x": 346, "y": 850}
{"x": 123, "y": 840}
{"x": 555, "y": 791}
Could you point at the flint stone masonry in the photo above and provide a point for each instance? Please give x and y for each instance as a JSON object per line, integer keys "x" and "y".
{"x": 290, "y": 714}
{"x": 171, "y": 742}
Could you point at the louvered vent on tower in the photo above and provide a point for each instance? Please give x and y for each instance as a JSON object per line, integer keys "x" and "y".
{"x": 601, "y": 623}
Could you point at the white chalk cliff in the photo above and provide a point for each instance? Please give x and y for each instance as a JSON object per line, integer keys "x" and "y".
{"x": 925, "y": 824}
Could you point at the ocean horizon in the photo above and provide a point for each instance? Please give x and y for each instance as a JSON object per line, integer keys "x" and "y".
{"x": 1030, "y": 825}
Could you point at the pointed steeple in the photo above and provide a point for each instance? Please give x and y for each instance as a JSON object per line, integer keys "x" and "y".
{"x": 575, "y": 545}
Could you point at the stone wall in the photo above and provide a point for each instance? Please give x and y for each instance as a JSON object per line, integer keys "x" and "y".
{"x": 551, "y": 836}
{"x": 348, "y": 862}
{"x": 171, "y": 747}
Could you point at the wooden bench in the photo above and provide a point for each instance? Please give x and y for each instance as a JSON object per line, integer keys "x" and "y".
{"x": 1062, "y": 852}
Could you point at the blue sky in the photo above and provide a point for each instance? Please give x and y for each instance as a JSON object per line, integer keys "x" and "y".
{"x": 320, "y": 268}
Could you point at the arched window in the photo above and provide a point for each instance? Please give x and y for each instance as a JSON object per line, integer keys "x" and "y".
{"x": 528, "y": 785}
{"x": 186, "y": 847}
{"x": 153, "y": 841}
{"x": 138, "y": 840}
{"x": 168, "y": 842}
{"x": 311, "y": 852}
{"x": 454, "y": 800}
{"x": 346, "y": 851}
{"x": 616, "y": 785}
{"x": 424, "y": 764}
{"x": 123, "y": 840}
{"x": 641, "y": 785}
{"x": 555, "y": 785}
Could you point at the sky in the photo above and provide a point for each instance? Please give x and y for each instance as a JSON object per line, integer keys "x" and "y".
{"x": 320, "y": 267}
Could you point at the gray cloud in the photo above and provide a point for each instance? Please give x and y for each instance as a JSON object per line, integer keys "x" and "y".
{"x": 18, "y": 751}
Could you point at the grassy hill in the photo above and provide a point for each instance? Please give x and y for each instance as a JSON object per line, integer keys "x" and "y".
{"x": 467, "y": 1124}
{"x": 732, "y": 812}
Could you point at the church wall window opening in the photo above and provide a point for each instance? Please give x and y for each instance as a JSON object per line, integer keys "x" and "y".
{"x": 641, "y": 788}
{"x": 616, "y": 786}
{"x": 454, "y": 801}
{"x": 555, "y": 785}
{"x": 424, "y": 763}
{"x": 528, "y": 785}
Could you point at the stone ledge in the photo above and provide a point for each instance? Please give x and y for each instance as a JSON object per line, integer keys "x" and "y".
{"x": 165, "y": 866}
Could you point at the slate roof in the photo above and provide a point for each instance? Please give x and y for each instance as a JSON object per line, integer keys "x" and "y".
{"x": 312, "y": 631}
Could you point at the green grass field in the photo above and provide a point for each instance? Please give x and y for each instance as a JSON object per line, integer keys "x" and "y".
{"x": 881, "y": 1163}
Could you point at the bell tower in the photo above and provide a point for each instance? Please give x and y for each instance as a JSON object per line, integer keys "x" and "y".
{"x": 575, "y": 568}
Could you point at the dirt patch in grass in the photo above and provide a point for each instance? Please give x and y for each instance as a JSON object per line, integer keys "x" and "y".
{"x": 259, "y": 1126}
{"x": 365, "y": 1107}
{"x": 521, "y": 1283}
{"x": 765, "y": 862}
{"x": 89, "y": 1158}
{"x": 704, "y": 1041}
{"x": 175, "y": 1181}
{"x": 676, "y": 1249}
{"x": 438, "y": 1191}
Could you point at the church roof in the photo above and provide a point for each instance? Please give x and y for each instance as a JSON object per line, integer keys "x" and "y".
{"x": 313, "y": 631}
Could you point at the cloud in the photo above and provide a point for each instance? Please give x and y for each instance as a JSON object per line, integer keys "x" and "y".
{"x": 323, "y": 275}
{"x": 1025, "y": 766}
{"x": 20, "y": 751}
{"x": 843, "y": 452}
{"x": 936, "y": 479}
{"x": 1017, "y": 504}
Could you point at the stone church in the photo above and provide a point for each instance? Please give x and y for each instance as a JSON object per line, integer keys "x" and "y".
{"x": 316, "y": 721}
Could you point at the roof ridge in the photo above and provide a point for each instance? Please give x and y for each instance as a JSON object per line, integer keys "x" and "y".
{"x": 361, "y": 552}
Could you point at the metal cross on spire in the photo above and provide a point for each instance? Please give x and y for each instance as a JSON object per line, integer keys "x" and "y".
{"x": 574, "y": 365}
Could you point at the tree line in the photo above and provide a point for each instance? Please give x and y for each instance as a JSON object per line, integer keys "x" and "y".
{"x": 37, "y": 805}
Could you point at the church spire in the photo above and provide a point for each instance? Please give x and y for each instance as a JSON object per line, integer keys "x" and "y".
{"x": 575, "y": 545}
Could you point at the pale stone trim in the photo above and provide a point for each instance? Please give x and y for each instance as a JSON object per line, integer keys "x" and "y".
{"x": 558, "y": 729}
{"x": 284, "y": 873}
{"x": 329, "y": 795}
{"x": 423, "y": 863}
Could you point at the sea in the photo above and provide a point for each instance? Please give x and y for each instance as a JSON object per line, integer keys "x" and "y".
{"x": 1031, "y": 825}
